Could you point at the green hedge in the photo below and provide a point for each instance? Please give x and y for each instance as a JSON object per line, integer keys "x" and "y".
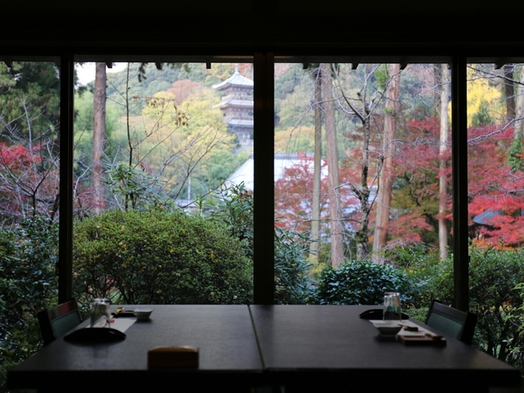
{"x": 292, "y": 282}
{"x": 170, "y": 257}
{"x": 495, "y": 277}
{"x": 158, "y": 257}
{"x": 233, "y": 207}
{"x": 28, "y": 284}
{"x": 360, "y": 282}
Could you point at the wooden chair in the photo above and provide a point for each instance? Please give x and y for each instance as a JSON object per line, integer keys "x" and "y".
{"x": 57, "y": 321}
{"x": 452, "y": 322}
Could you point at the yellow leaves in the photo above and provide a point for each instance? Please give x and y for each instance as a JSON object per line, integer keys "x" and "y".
{"x": 163, "y": 110}
{"x": 294, "y": 139}
{"x": 124, "y": 265}
{"x": 480, "y": 92}
{"x": 157, "y": 102}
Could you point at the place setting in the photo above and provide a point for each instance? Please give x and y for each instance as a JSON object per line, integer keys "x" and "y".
{"x": 142, "y": 314}
{"x": 393, "y": 325}
{"x": 105, "y": 327}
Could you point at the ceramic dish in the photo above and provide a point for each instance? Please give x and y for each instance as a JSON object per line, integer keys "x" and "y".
{"x": 387, "y": 328}
{"x": 142, "y": 314}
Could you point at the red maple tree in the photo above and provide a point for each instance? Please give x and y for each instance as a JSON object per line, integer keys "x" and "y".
{"x": 495, "y": 191}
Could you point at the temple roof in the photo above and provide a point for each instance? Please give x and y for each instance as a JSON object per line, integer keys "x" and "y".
{"x": 235, "y": 80}
{"x": 489, "y": 217}
{"x": 244, "y": 174}
{"x": 240, "y": 123}
{"x": 237, "y": 103}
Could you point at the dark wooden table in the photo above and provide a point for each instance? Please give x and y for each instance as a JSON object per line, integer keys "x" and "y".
{"x": 301, "y": 348}
{"x": 228, "y": 355}
{"x": 329, "y": 348}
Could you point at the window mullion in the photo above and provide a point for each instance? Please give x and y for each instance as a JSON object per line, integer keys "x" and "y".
{"x": 65, "y": 272}
{"x": 263, "y": 178}
{"x": 460, "y": 182}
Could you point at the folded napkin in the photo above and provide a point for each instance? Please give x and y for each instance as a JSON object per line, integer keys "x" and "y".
{"x": 121, "y": 324}
{"x": 410, "y": 333}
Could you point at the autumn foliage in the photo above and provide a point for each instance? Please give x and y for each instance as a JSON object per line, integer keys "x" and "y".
{"x": 28, "y": 181}
{"x": 494, "y": 188}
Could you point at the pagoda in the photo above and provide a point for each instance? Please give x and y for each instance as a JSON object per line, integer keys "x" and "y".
{"x": 237, "y": 106}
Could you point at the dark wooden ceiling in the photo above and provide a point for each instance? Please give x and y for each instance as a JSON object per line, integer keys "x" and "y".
{"x": 403, "y": 31}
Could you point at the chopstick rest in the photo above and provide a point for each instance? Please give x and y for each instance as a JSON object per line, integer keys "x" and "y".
{"x": 172, "y": 357}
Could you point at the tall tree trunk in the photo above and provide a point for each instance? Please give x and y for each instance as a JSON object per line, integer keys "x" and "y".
{"x": 130, "y": 197}
{"x": 519, "y": 110}
{"x": 314, "y": 246}
{"x": 337, "y": 247}
{"x": 362, "y": 190}
{"x": 99, "y": 133}
{"x": 387, "y": 174}
{"x": 509, "y": 92}
{"x": 363, "y": 193}
{"x": 443, "y": 164}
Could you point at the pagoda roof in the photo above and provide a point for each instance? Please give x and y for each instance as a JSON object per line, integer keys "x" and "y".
{"x": 235, "y": 80}
{"x": 240, "y": 123}
{"x": 238, "y": 103}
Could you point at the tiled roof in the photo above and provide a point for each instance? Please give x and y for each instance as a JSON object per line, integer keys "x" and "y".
{"x": 235, "y": 80}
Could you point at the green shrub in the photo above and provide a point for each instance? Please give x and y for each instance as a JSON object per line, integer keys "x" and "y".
{"x": 234, "y": 208}
{"x": 424, "y": 269}
{"x": 360, "y": 282}
{"x": 292, "y": 283}
{"x": 156, "y": 257}
{"x": 494, "y": 277}
{"x": 28, "y": 284}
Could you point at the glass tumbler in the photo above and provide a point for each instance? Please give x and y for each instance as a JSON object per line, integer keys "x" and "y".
{"x": 392, "y": 310}
{"x": 100, "y": 307}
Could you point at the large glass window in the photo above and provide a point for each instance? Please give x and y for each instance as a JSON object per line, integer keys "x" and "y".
{"x": 362, "y": 171}
{"x": 495, "y": 204}
{"x": 362, "y": 164}
{"x": 29, "y": 202}
{"x": 163, "y": 199}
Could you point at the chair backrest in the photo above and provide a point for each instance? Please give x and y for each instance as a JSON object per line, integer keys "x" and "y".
{"x": 452, "y": 322}
{"x": 57, "y": 321}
